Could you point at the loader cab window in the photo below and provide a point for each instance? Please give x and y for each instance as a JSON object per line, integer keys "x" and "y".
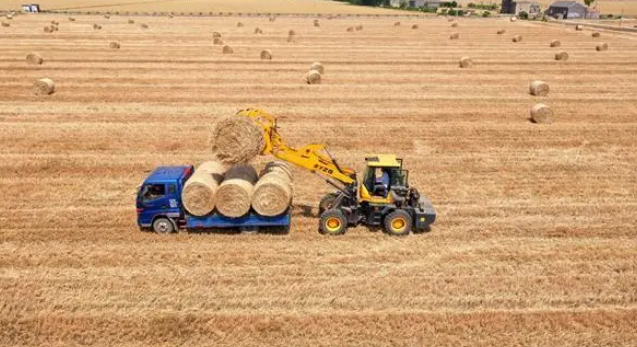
{"x": 378, "y": 181}
{"x": 399, "y": 178}
{"x": 153, "y": 191}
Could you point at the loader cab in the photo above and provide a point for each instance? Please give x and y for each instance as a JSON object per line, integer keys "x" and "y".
{"x": 160, "y": 195}
{"x": 383, "y": 175}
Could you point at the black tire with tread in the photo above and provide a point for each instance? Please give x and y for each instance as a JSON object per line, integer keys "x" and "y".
{"x": 326, "y": 201}
{"x": 331, "y": 215}
{"x": 390, "y": 218}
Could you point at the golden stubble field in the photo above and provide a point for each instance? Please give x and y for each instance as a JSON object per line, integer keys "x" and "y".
{"x": 189, "y": 6}
{"x": 535, "y": 244}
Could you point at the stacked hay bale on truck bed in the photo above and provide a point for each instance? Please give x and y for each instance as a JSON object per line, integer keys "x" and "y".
{"x": 235, "y": 192}
{"x": 198, "y": 195}
{"x": 272, "y": 194}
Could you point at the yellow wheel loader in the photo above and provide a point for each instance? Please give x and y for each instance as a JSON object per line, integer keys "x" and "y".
{"x": 383, "y": 197}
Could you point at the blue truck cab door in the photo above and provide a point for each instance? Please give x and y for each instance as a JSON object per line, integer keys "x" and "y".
{"x": 152, "y": 201}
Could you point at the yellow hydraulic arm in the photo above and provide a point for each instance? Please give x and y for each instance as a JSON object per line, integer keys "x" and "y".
{"x": 314, "y": 158}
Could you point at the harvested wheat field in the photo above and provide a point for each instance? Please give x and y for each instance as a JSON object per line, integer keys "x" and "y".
{"x": 535, "y": 242}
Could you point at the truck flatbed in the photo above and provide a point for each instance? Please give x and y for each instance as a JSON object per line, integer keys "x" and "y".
{"x": 251, "y": 220}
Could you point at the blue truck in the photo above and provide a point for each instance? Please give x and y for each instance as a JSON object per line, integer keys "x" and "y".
{"x": 159, "y": 207}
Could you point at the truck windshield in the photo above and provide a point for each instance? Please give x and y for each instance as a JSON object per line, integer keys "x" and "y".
{"x": 153, "y": 191}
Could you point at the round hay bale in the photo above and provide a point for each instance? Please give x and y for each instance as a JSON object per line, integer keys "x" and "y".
{"x": 450, "y": 19}
{"x": 601, "y": 47}
{"x": 278, "y": 166}
{"x": 114, "y": 45}
{"x": 34, "y": 59}
{"x": 71, "y": 19}
{"x": 501, "y": 31}
{"x": 217, "y": 41}
{"x": 144, "y": 26}
{"x": 216, "y": 35}
{"x": 517, "y": 38}
{"x": 454, "y": 25}
{"x": 55, "y": 28}
{"x": 272, "y": 194}
{"x": 258, "y": 30}
{"x": 317, "y": 23}
{"x": 556, "y": 43}
{"x": 561, "y": 56}
{"x": 415, "y": 26}
{"x": 350, "y": 29}
{"x": 198, "y": 194}
{"x": 5, "y": 24}
{"x": 291, "y": 33}
{"x": 227, "y": 50}
{"x": 107, "y": 16}
{"x": 313, "y": 77}
{"x": 213, "y": 167}
{"x": 514, "y": 19}
{"x": 239, "y": 25}
{"x": 236, "y": 140}
{"x": 454, "y": 36}
{"x": 466, "y": 62}
{"x": 541, "y": 114}
{"x": 266, "y": 55}
{"x": 359, "y": 27}
{"x": 318, "y": 67}
{"x": 596, "y": 34}
{"x": 234, "y": 196}
{"x": 272, "y": 19}
{"x": 44, "y": 86}
{"x": 97, "y": 26}
{"x": 48, "y": 29}
{"x": 539, "y": 88}
{"x": 579, "y": 27}
{"x": 397, "y": 24}
{"x": 130, "y": 21}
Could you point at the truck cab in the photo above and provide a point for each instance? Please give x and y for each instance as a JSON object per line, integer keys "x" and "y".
{"x": 158, "y": 200}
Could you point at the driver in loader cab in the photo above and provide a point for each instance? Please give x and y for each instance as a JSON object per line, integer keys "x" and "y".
{"x": 381, "y": 183}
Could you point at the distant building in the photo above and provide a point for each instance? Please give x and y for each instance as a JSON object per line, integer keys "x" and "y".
{"x": 416, "y": 3}
{"x": 31, "y": 8}
{"x": 570, "y": 10}
{"x": 532, "y": 8}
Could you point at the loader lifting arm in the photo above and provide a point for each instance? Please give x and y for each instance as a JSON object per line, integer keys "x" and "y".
{"x": 314, "y": 158}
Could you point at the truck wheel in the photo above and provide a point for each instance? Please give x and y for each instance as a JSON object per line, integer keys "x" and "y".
{"x": 333, "y": 222}
{"x": 163, "y": 226}
{"x": 398, "y": 223}
{"x": 326, "y": 202}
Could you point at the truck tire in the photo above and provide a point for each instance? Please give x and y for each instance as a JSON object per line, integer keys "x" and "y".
{"x": 398, "y": 223}
{"x": 326, "y": 202}
{"x": 163, "y": 226}
{"x": 333, "y": 222}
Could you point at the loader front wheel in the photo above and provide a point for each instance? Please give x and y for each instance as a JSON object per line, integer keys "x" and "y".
{"x": 398, "y": 223}
{"x": 333, "y": 222}
{"x": 327, "y": 202}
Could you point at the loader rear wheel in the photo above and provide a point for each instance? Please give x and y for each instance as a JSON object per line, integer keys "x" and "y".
{"x": 398, "y": 223}
{"x": 333, "y": 222}
{"x": 327, "y": 202}
{"x": 163, "y": 226}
